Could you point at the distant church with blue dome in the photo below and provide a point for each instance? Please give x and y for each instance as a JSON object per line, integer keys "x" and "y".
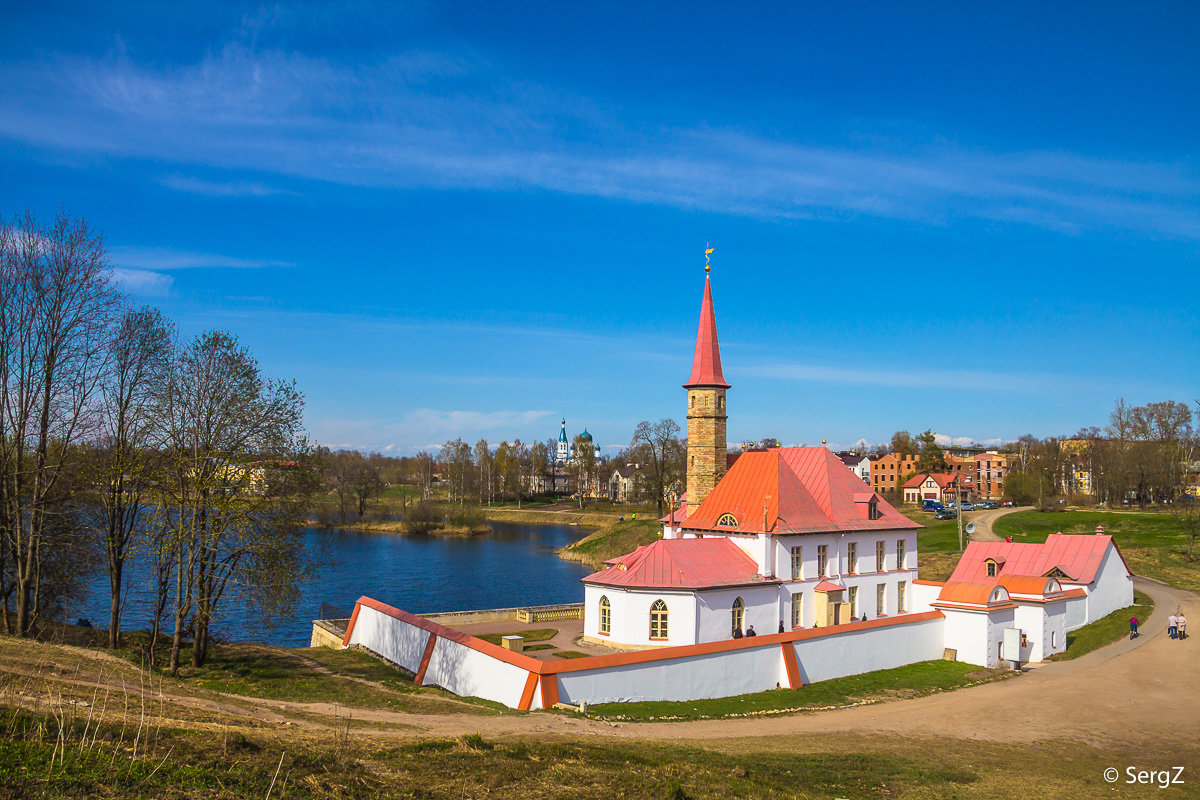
{"x": 564, "y": 452}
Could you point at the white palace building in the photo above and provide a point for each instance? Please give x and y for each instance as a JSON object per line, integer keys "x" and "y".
{"x": 782, "y": 571}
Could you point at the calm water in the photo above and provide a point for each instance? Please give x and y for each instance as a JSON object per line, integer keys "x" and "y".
{"x": 513, "y": 566}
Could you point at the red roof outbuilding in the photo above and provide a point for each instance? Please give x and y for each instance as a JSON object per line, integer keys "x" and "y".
{"x": 1076, "y": 557}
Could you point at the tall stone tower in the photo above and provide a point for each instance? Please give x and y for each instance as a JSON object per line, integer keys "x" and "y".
{"x": 706, "y": 408}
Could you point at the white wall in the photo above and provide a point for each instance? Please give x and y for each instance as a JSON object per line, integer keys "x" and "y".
{"x": 1111, "y": 589}
{"x": 751, "y": 669}
{"x": 714, "y": 609}
{"x": 977, "y": 634}
{"x": 922, "y": 595}
{"x": 631, "y": 615}
{"x": 470, "y": 673}
{"x": 857, "y": 651}
{"x": 1076, "y": 610}
{"x": 395, "y": 640}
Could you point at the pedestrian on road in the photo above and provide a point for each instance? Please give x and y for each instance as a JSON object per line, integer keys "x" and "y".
{"x": 1181, "y": 625}
{"x": 1133, "y": 627}
{"x": 1172, "y": 625}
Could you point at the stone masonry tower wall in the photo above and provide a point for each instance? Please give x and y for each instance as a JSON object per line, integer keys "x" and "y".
{"x": 706, "y": 443}
{"x": 706, "y": 409}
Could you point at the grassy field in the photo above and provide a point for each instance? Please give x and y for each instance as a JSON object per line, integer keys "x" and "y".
{"x": 1107, "y": 630}
{"x": 531, "y": 635}
{"x": 1153, "y": 543}
{"x": 912, "y": 680}
{"x": 614, "y": 539}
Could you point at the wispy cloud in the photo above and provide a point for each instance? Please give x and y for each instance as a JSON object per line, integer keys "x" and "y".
{"x": 143, "y": 283}
{"x": 915, "y": 378}
{"x": 424, "y": 429}
{"x": 221, "y": 188}
{"x": 162, "y": 258}
{"x": 448, "y": 120}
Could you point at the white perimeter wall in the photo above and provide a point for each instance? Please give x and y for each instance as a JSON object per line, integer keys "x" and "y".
{"x": 465, "y": 671}
{"x": 755, "y": 669}
{"x": 1045, "y": 629}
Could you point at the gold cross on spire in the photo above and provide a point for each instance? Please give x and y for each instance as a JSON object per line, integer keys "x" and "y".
{"x": 708, "y": 249}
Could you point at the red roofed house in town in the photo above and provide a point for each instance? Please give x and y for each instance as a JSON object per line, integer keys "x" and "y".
{"x": 1091, "y": 562}
{"x": 940, "y": 486}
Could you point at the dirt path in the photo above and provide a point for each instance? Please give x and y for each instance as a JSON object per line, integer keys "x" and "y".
{"x": 985, "y": 519}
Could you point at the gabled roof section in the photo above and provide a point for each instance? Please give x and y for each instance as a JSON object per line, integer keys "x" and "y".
{"x": 804, "y": 490}
{"x": 681, "y": 564}
{"x": 706, "y": 363}
{"x": 1076, "y": 556}
{"x": 943, "y": 479}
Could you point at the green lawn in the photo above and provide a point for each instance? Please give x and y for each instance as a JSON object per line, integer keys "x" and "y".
{"x": 531, "y": 635}
{"x": 912, "y": 680}
{"x": 615, "y": 539}
{"x": 1153, "y": 543}
{"x": 1107, "y": 630}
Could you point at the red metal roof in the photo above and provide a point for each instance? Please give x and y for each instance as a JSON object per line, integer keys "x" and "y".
{"x": 706, "y": 364}
{"x": 1078, "y": 556}
{"x": 829, "y": 586}
{"x": 803, "y": 489}
{"x": 681, "y": 564}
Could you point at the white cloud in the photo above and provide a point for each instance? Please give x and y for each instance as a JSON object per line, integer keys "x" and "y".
{"x": 144, "y": 283}
{"x": 426, "y": 429}
{"x": 449, "y": 120}
{"x": 919, "y": 378}
{"x": 963, "y": 441}
{"x": 221, "y": 188}
{"x": 162, "y": 258}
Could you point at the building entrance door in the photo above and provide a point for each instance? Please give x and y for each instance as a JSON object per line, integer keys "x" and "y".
{"x": 834, "y": 614}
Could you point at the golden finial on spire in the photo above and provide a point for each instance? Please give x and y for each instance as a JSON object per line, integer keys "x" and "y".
{"x": 708, "y": 249}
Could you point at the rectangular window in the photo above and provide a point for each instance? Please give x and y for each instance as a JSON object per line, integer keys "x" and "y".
{"x": 822, "y": 559}
{"x": 796, "y": 598}
{"x": 853, "y": 603}
{"x": 900, "y": 589}
{"x": 852, "y": 558}
{"x": 900, "y": 554}
{"x": 797, "y": 564}
{"x": 880, "y": 599}
{"x": 880, "y": 556}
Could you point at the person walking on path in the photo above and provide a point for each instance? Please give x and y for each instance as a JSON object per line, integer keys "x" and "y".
{"x": 1172, "y": 625}
{"x": 1133, "y": 627}
{"x": 1181, "y": 626}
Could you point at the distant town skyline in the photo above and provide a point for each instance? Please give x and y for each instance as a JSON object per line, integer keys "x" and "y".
{"x": 473, "y": 220}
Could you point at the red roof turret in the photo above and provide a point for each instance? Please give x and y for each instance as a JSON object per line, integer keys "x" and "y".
{"x": 706, "y": 364}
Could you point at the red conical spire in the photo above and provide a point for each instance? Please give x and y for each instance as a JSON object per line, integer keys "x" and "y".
{"x": 706, "y": 364}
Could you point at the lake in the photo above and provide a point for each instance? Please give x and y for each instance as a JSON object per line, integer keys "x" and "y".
{"x": 515, "y": 565}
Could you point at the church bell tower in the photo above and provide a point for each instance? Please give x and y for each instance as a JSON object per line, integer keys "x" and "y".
{"x": 706, "y": 405}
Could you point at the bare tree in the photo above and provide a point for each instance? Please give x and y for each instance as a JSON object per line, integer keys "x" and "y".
{"x": 138, "y": 362}
{"x": 57, "y": 304}
{"x": 659, "y": 446}
{"x": 584, "y": 465}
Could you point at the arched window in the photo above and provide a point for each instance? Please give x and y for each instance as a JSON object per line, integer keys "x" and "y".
{"x": 739, "y": 613}
{"x": 658, "y": 620}
{"x": 991, "y": 568}
{"x": 605, "y": 616}
{"x": 727, "y": 521}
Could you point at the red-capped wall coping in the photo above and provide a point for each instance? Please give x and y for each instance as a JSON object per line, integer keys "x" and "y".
{"x": 622, "y": 659}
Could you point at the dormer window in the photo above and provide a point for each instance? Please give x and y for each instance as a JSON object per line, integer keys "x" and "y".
{"x": 873, "y": 509}
{"x": 727, "y": 521}
{"x": 993, "y": 568}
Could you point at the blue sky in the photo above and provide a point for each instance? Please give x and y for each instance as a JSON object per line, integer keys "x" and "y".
{"x": 474, "y": 219}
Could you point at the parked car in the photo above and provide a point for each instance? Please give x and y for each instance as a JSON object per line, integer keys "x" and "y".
{"x": 931, "y": 505}
{"x": 968, "y": 505}
{"x": 987, "y": 504}
{"x": 946, "y": 513}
